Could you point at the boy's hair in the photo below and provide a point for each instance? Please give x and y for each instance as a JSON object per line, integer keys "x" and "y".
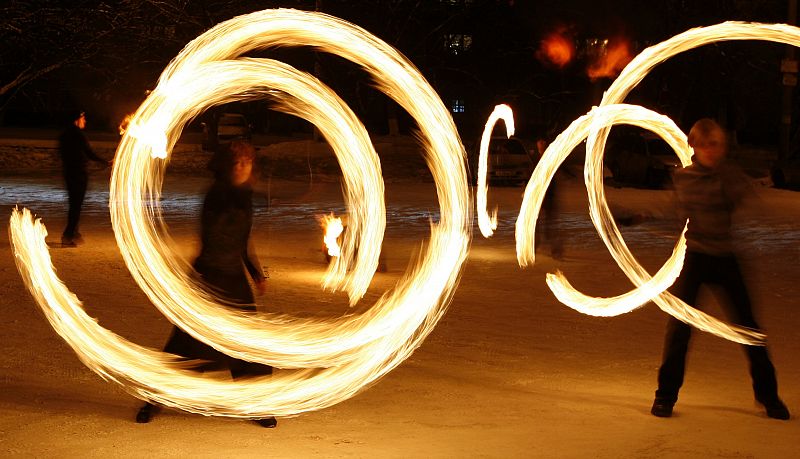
{"x": 241, "y": 149}
{"x": 73, "y": 115}
{"x": 222, "y": 161}
{"x": 702, "y": 131}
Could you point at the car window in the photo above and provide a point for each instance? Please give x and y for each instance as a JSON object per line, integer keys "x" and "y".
{"x": 659, "y": 147}
{"x": 632, "y": 143}
{"x": 230, "y": 121}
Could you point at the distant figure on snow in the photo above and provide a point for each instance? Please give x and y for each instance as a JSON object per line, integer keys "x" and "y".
{"x": 75, "y": 153}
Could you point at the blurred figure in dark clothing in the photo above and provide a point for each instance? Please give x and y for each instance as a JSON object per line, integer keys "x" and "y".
{"x": 75, "y": 153}
{"x": 550, "y": 208}
{"x": 708, "y": 191}
{"x": 227, "y": 257}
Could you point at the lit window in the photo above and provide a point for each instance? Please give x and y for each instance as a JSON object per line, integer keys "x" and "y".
{"x": 456, "y": 43}
{"x": 457, "y": 106}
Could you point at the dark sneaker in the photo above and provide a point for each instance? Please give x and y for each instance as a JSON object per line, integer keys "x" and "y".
{"x": 662, "y": 408}
{"x": 144, "y": 414}
{"x": 776, "y": 409}
{"x": 268, "y": 423}
{"x": 68, "y": 242}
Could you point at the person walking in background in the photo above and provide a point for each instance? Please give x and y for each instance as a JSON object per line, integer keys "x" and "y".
{"x": 75, "y": 153}
{"x": 227, "y": 257}
{"x": 708, "y": 191}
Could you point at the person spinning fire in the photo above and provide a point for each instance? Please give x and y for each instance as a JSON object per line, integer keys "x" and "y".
{"x": 227, "y": 257}
{"x": 708, "y": 191}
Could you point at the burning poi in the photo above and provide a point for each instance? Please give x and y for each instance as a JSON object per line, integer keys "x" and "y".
{"x": 332, "y": 227}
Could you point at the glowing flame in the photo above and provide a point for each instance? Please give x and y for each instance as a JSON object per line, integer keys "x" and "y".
{"x": 123, "y": 125}
{"x": 335, "y": 358}
{"x": 614, "y": 56}
{"x": 503, "y": 112}
{"x": 333, "y": 228}
{"x": 557, "y": 48}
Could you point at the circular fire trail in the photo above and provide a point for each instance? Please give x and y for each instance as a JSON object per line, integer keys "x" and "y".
{"x": 334, "y": 358}
{"x": 630, "y": 76}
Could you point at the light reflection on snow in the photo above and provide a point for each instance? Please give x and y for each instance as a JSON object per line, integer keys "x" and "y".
{"x": 182, "y": 204}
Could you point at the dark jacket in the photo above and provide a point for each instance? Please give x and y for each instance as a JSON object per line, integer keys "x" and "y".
{"x": 75, "y": 151}
{"x": 226, "y": 252}
{"x": 225, "y": 236}
{"x": 708, "y": 197}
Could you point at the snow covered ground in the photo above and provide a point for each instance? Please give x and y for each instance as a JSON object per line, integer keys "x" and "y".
{"x": 508, "y": 372}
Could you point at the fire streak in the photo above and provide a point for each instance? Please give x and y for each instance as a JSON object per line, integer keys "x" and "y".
{"x": 338, "y": 356}
{"x": 631, "y": 75}
{"x": 503, "y": 112}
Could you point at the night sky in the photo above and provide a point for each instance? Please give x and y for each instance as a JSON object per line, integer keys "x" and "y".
{"x": 62, "y": 55}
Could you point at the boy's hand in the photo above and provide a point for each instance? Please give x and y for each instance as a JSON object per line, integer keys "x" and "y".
{"x": 261, "y": 287}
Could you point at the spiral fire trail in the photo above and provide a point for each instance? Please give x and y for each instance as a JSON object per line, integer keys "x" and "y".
{"x": 338, "y": 356}
{"x": 633, "y": 73}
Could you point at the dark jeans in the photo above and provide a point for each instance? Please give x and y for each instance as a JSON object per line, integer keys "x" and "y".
{"x": 183, "y": 344}
{"x": 235, "y": 287}
{"x": 722, "y": 272}
{"x": 77, "y": 182}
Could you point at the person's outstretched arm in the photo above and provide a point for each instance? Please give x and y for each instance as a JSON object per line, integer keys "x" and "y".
{"x": 87, "y": 149}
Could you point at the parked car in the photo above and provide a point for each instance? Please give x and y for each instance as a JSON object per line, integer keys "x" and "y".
{"x": 230, "y": 126}
{"x": 785, "y": 173}
{"x": 509, "y": 162}
{"x": 639, "y": 159}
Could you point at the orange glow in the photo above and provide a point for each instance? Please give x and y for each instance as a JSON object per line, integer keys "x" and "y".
{"x": 123, "y": 125}
{"x": 614, "y": 57}
{"x": 557, "y": 48}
